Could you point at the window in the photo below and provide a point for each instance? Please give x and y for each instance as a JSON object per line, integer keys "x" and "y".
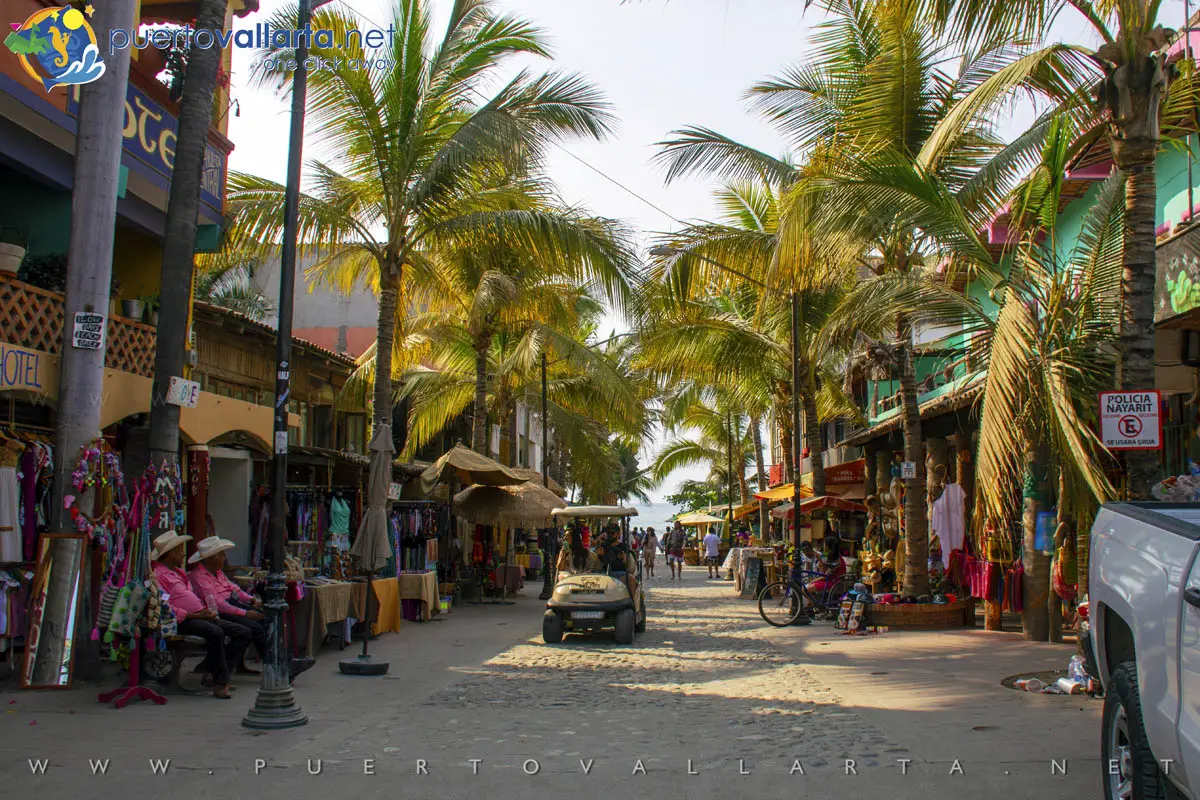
{"x": 321, "y": 432}
{"x": 233, "y": 390}
{"x": 298, "y": 436}
{"x": 354, "y": 433}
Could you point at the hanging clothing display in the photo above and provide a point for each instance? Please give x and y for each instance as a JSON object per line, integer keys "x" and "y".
{"x": 11, "y": 548}
{"x": 948, "y": 522}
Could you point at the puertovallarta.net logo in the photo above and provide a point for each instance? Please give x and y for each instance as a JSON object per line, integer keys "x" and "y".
{"x": 57, "y": 47}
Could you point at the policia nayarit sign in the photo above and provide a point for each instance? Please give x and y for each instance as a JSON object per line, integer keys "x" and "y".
{"x": 1131, "y": 420}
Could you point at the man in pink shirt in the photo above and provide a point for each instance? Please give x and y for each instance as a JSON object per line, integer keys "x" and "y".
{"x": 210, "y": 583}
{"x": 194, "y": 618}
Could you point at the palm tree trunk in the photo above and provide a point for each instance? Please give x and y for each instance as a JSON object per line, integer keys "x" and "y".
{"x": 479, "y": 426}
{"x": 916, "y": 529}
{"x": 508, "y": 437}
{"x": 1035, "y": 619}
{"x": 385, "y": 335}
{"x": 1137, "y": 289}
{"x": 812, "y": 436}
{"x": 760, "y": 468}
{"x": 179, "y": 242}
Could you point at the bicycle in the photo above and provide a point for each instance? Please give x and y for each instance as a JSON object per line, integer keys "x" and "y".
{"x": 781, "y": 603}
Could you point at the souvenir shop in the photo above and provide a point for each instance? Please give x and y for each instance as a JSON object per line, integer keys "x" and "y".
{"x": 26, "y": 475}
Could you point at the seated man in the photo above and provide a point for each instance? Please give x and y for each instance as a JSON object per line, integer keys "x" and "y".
{"x": 615, "y": 556}
{"x": 194, "y": 618}
{"x": 209, "y": 580}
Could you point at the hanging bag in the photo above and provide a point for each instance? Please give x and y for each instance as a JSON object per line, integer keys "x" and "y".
{"x": 1014, "y": 588}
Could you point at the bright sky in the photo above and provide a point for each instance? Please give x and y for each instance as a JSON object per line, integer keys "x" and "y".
{"x": 662, "y": 63}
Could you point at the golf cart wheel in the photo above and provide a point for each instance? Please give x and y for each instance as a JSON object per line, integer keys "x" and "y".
{"x": 625, "y": 624}
{"x": 640, "y": 626}
{"x": 552, "y": 628}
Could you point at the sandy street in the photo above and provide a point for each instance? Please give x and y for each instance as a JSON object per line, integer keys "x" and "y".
{"x": 708, "y": 703}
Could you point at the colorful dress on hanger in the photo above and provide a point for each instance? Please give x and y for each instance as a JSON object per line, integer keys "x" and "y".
{"x": 10, "y": 504}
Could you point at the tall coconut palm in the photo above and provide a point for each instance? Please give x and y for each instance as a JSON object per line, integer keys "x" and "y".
{"x": 1125, "y": 92}
{"x": 414, "y": 153}
{"x": 1050, "y": 351}
{"x": 179, "y": 241}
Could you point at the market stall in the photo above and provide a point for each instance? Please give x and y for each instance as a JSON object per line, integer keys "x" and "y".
{"x": 698, "y": 523}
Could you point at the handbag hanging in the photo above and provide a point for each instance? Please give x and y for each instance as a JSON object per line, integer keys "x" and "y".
{"x": 1014, "y": 588}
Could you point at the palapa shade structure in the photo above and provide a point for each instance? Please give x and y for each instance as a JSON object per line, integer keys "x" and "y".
{"x": 468, "y": 467}
{"x": 533, "y": 476}
{"x": 526, "y": 505}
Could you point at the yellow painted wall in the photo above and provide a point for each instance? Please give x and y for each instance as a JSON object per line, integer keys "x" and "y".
{"x": 137, "y": 263}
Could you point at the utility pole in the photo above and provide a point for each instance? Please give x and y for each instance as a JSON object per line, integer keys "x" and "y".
{"x": 729, "y": 482}
{"x": 98, "y": 146}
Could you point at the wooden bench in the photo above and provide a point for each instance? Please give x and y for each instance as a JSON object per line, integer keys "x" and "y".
{"x": 182, "y": 647}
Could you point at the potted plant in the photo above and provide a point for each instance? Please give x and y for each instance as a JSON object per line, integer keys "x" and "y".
{"x": 150, "y": 301}
{"x": 133, "y": 309}
{"x": 46, "y": 271}
{"x": 13, "y": 243}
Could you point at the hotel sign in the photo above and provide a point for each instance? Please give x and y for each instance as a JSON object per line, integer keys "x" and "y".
{"x": 150, "y": 136}
{"x": 20, "y": 369}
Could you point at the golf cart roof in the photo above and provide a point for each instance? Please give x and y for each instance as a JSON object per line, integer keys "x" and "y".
{"x": 594, "y": 511}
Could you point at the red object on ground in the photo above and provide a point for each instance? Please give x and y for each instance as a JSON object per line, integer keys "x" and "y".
{"x": 121, "y": 696}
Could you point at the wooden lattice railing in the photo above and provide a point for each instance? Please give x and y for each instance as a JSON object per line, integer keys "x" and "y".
{"x": 32, "y": 317}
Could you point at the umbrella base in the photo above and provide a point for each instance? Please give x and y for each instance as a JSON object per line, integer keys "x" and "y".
{"x": 362, "y": 665}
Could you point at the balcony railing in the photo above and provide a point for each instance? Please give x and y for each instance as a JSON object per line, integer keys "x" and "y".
{"x": 33, "y": 318}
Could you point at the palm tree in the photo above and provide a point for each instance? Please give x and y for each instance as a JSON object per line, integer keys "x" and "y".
{"x": 1051, "y": 349}
{"x": 416, "y": 153}
{"x": 226, "y": 279}
{"x": 1124, "y": 92}
{"x": 179, "y": 249}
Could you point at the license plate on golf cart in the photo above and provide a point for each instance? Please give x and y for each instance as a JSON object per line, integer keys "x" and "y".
{"x": 587, "y": 615}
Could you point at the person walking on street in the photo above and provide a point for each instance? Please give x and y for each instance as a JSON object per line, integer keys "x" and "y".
{"x": 673, "y": 543}
{"x": 649, "y": 551}
{"x": 712, "y": 554}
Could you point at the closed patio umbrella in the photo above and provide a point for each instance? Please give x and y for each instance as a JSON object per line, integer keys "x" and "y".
{"x": 371, "y": 545}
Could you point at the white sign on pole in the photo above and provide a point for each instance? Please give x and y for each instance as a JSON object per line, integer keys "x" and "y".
{"x": 182, "y": 392}
{"x": 87, "y": 332}
{"x": 908, "y": 470}
{"x": 281, "y": 442}
{"x": 1131, "y": 420}
{"x": 394, "y": 491}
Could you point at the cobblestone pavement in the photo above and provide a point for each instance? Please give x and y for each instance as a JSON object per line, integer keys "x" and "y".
{"x": 709, "y": 702}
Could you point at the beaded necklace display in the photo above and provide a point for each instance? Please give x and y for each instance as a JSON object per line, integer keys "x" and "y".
{"x": 98, "y": 469}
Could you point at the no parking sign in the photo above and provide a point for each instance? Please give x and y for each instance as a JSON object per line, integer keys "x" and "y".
{"x": 1131, "y": 420}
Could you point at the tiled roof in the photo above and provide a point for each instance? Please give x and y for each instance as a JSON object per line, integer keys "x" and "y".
{"x": 218, "y": 311}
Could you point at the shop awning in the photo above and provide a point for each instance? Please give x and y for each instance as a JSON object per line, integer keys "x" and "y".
{"x": 785, "y": 492}
{"x": 825, "y": 502}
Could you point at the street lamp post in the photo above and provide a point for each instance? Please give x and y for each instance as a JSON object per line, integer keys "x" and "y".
{"x": 275, "y": 705}
{"x": 667, "y": 250}
{"x": 551, "y": 554}
{"x": 729, "y": 481}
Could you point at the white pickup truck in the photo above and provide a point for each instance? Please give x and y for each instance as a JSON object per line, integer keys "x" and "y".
{"x": 1144, "y": 592}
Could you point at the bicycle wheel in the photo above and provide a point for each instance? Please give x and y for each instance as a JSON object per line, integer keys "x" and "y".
{"x": 832, "y": 598}
{"x": 779, "y": 603}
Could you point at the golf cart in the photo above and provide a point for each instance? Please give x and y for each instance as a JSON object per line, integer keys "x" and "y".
{"x": 589, "y": 601}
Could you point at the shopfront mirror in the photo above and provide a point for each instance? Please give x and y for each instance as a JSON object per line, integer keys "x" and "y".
{"x": 54, "y": 602}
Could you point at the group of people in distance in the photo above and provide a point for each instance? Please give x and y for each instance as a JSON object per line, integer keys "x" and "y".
{"x": 209, "y": 605}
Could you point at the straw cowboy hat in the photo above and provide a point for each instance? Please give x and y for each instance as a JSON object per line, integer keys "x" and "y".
{"x": 167, "y": 542}
{"x": 210, "y": 547}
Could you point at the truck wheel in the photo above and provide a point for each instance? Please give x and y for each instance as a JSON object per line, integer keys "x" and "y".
{"x": 552, "y": 628}
{"x": 1124, "y": 748}
{"x": 624, "y": 626}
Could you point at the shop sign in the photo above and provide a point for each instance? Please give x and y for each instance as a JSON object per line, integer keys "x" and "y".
{"x": 394, "y": 491}
{"x": 1177, "y": 279}
{"x": 908, "y": 470}
{"x": 20, "y": 368}
{"x": 182, "y": 392}
{"x": 150, "y": 136}
{"x": 1131, "y": 420}
{"x": 88, "y": 331}
{"x": 849, "y": 473}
